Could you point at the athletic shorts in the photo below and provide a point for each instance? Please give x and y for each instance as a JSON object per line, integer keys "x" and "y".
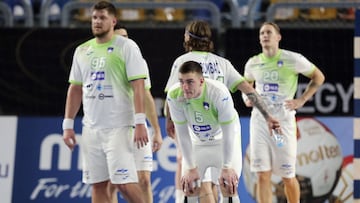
{"x": 144, "y": 156}
{"x": 208, "y": 159}
{"x": 265, "y": 155}
{"x": 108, "y": 154}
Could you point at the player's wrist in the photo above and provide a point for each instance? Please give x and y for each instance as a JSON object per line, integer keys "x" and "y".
{"x": 140, "y": 118}
{"x": 68, "y": 124}
{"x": 226, "y": 166}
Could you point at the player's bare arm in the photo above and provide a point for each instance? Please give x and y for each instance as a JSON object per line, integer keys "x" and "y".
{"x": 255, "y": 100}
{"x": 141, "y": 137}
{"x": 73, "y": 103}
{"x": 316, "y": 80}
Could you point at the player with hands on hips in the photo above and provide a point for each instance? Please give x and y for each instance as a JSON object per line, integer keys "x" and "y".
{"x": 274, "y": 72}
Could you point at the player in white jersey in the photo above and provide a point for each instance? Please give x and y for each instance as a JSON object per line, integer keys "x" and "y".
{"x": 205, "y": 107}
{"x": 143, "y": 156}
{"x": 107, "y": 77}
{"x": 198, "y": 44}
{"x": 275, "y": 74}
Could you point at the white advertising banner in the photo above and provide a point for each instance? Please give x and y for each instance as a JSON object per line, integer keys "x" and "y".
{"x": 8, "y": 126}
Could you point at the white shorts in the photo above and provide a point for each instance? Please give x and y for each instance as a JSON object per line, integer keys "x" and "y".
{"x": 210, "y": 175}
{"x": 108, "y": 154}
{"x": 265, "y": 155}
{"x": 209, "y": 159}
{"x": 144, "y": 156}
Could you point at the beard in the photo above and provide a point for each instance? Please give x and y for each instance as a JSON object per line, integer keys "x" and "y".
{"x": 100, "y": 34}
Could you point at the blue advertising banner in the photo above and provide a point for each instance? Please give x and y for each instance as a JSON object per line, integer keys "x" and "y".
{"x": 47, "y": 171}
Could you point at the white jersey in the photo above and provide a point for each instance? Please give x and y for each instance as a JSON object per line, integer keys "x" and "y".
{"x": 203, "y": 115}
{"x": 214, "y": 67}
{"x": 105, "y": 71}
{"x": 276, "y": 79}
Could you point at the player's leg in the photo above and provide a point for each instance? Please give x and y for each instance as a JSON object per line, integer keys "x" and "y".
{"x": 113, "y": 193}
{"x": 95, "y": 170}
{"x": 130, "y": 192}
{"x": 206, "y": 193}
{"x": 145, "y": 185}
{"x": 144, "y": 166}
{"x": 119, "y": 149}
{"x": 260, "y": 158}
{"x": 286, "y": 155}
{"x": 292, "y": 190}
{"x": 100, "y": 193}
{"x": 263, "y": 187}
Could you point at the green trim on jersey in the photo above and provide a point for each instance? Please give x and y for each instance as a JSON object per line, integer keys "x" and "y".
{"x": 137, "y": 77}
{"x": 75, "y": 82}
{"x": 228, "y": 122}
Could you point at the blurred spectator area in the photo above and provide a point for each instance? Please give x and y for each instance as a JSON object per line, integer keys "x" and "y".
{"x": 176, "y": 13}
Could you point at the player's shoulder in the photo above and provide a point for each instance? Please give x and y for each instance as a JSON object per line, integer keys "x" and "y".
{"x": 216, "y": 85}
{"x": 255, "y": 59}
{"x": 87, "y": 43}
{"x": 290, "y": 54}
{"x": 175, "y": 91}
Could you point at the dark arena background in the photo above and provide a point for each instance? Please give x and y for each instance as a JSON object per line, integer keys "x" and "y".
{"x": 36, "y": 51}
{"x": 35, "y": 64}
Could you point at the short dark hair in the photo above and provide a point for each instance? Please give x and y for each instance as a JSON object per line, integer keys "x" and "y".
{"x": 190, "y": 67}
{"x": 105, "y": 5}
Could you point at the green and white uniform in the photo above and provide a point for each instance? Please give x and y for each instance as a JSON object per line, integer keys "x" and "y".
{"x": 214, "y": 121}
{"x": 276, "y": 80}
{"x": 214, "y": 67}
{"x": 105, "y": 72}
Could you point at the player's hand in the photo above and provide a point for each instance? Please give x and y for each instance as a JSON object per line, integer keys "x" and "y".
{"x": 141, "y": 137}
{"x": 156, "y": 141}
{"x": 170, "y": 128}
{"x": 228, "y": 182}
{"x": 69, "y": 138}
{"x": 273, "y": 124}
{"x": 294, "y": 104}
{"x": 190, "y": 182}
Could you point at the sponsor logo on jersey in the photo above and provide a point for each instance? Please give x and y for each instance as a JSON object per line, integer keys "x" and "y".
{"x": 225, "y": 99}
{"x": 270, "y": 87}
{"x": 103, "y": 96}
{"x": 89, "y": 86}
{"x": 201, "y": 128}
{"x": 98, "y": 75}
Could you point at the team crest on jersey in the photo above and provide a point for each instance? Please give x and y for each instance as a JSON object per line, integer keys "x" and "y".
{"x": 110, "y": 49}
{"x": 280, "y": 63}
{"x": 206, "y": 106}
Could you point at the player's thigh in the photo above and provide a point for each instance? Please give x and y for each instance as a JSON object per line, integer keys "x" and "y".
{"x": 120, "y": 155}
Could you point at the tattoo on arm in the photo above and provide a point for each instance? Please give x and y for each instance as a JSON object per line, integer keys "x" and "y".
{"x": 258, "y": 103}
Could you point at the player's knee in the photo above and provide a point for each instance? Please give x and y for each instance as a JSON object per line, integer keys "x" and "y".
{"x": 264, "y": 177}
{"x": 144, "y": 183}
{"x": 125, "y": 189}
{"x": 291, "y": 182}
